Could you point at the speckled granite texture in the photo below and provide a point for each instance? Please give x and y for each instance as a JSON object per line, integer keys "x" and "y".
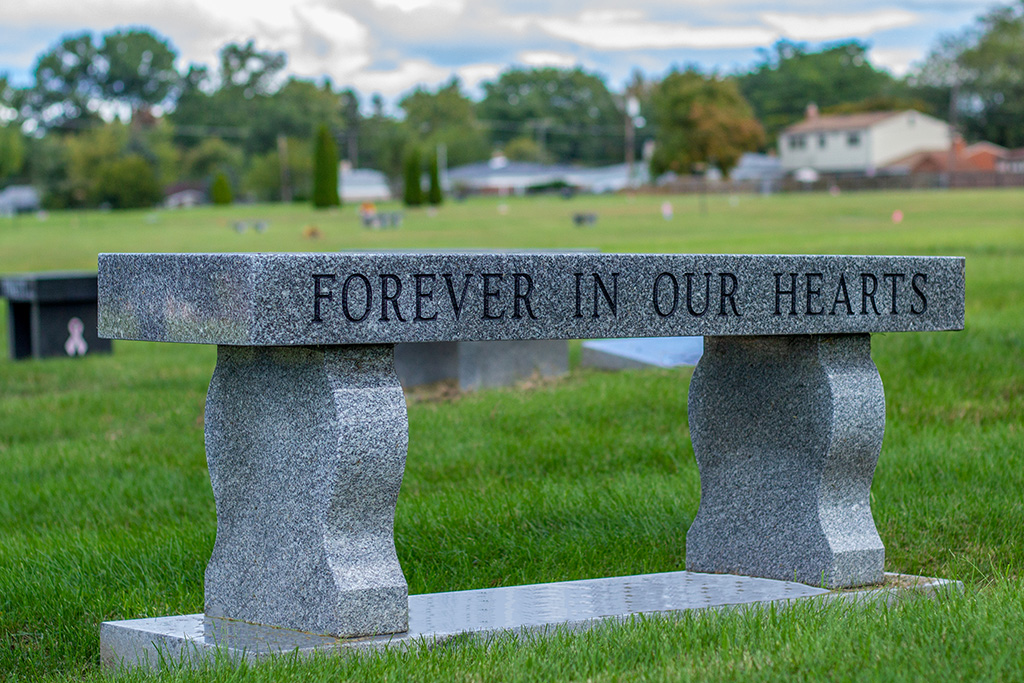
{"x": 438, "y": 618}
{"x": 787, "y": 432}
{"x": 306, "y": 449}
{"x": 312, "y": 299}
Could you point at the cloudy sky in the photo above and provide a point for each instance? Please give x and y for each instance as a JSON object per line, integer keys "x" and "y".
{"x": 390, "y": 46}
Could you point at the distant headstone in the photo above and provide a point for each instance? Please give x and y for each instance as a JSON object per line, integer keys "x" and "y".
{"x": 479, "y": 365}
{"x": 52, "y": 314}
{"x": 641, "y": 352}
{"x": 584, "y": 219}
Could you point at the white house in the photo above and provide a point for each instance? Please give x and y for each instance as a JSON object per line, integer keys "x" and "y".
{"x": 362, "y": 184}
{"x": 859, "y": 143}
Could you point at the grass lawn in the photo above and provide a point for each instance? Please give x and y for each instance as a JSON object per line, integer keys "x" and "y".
{"x": 106, "y": 510}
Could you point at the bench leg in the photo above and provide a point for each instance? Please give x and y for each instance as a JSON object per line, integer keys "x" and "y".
{"x": 306, "y": 448}
{"x": 787, "y": 432}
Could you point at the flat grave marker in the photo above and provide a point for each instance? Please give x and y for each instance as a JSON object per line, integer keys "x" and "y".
{"x": 52, "y": 315}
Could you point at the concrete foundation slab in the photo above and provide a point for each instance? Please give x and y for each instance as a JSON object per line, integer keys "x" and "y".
{"x": 194, "y": 639}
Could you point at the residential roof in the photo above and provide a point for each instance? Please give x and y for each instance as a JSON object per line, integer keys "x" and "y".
{"x": 820, "y": 124}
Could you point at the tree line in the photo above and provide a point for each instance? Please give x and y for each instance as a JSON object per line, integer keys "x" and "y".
{"x": 110, "y": 120}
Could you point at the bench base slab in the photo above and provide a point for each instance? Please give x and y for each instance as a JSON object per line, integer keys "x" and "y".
{"x": 193, "y": 639}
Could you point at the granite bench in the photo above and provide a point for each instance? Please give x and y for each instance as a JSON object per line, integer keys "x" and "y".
{"x": 306, "y": 427}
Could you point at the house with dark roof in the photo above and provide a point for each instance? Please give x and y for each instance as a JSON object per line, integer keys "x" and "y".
{"x": 862, "y": 143}
{"x": 983, "y": 157}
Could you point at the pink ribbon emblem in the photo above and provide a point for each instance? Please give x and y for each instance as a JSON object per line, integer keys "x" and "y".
{"x": 75, "y": 345}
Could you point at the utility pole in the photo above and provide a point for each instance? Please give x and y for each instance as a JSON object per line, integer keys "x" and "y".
{"x": 282, "y": 157}
{"x": 632, "y": 111}
{"x": 442, "y": 164}
{"x": 954, "y": 97}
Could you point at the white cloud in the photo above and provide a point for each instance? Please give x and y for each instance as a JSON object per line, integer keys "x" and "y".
{"x": 473, "y": 74}
{"x": 629, "y": 31}
{"x": 407, "y": 75}
{"x": 833, "y": 26}
{"x": 327, "y": 41}
{"x": 453, "y": 6}
{"x": 547, "y": 58}
{"x": 897, "y": 60}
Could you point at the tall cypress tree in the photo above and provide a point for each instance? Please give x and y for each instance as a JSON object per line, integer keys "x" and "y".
{"x": 413, "y": 194}
{"x": 220, "y": 191}
{"x": 434, "y": 195}
{"x": 325, "y": 170}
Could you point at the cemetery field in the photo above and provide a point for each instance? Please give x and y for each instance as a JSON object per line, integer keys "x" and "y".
{"x": 106, "y": 510}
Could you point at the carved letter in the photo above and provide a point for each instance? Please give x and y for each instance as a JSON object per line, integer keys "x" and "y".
{"x": 344, "y": 297}
{"x": 779, "y": 292}
{"x": 728, "y": 294}
{"x": 919, "y": 292}
{"x": 868, "y": 293}
{"x": 894, "y": 277}
{"x": 385, "y": 278}
{"x": 813, "y": 293}
{"x": 611, "y": 299}
{"x": 579, "y": 309}
{"x": 841, "y": 289}
{"x": 491, "y": 294}
{"x": 318, "y": 294}
{"x": 456, "y": 304}
{"x": 420, "y": 278}
{"x": 518, "y": 296}
{"x": 675, "y": 294}
{"x": 707, "y": 295}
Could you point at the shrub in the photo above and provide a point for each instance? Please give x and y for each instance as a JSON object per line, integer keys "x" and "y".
{"x": 127, "y": 183}
{"x": 325, "y": 171}
{"x": 413, "y": 195}
{"x": 220, "y": 191}
{"x": 434, "y": 195}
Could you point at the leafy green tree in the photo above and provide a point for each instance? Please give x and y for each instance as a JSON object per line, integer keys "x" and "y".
{"x": 12, "y": 151}
{"x": 975, "y": 78}
{"x": 351, "y": 121}
{"x": 325, "y": 171}
{"x": 435, "y": 196}
{"x": 790, "y": 77}
{"x": 880, "y": 103}
{"x": 702, "y": 119}
{"x": 446, "y": 117}
{"x": 47, "y": 169}
{"x": 137, "y": 68}
{"x": 934, "y": 81}
{"x": 12, "y": 101}
{"x": 238, "y": 102}
{"x": 253, "y": 71}
{"x": 211, "y": 156}
{"x": 991, "y": 98}
{"x": 88, "y": 151}
{"x": 220, "y": 190}
{"x": 412, "y": 194}
{"x": 262, "y": 178}
{"x": 383, "y": 142}
{"x": 570, "y": 112}
{"x": 525, "y": 149}
{"x": 66, "y": 90}
{"x": 127, "y": 183}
